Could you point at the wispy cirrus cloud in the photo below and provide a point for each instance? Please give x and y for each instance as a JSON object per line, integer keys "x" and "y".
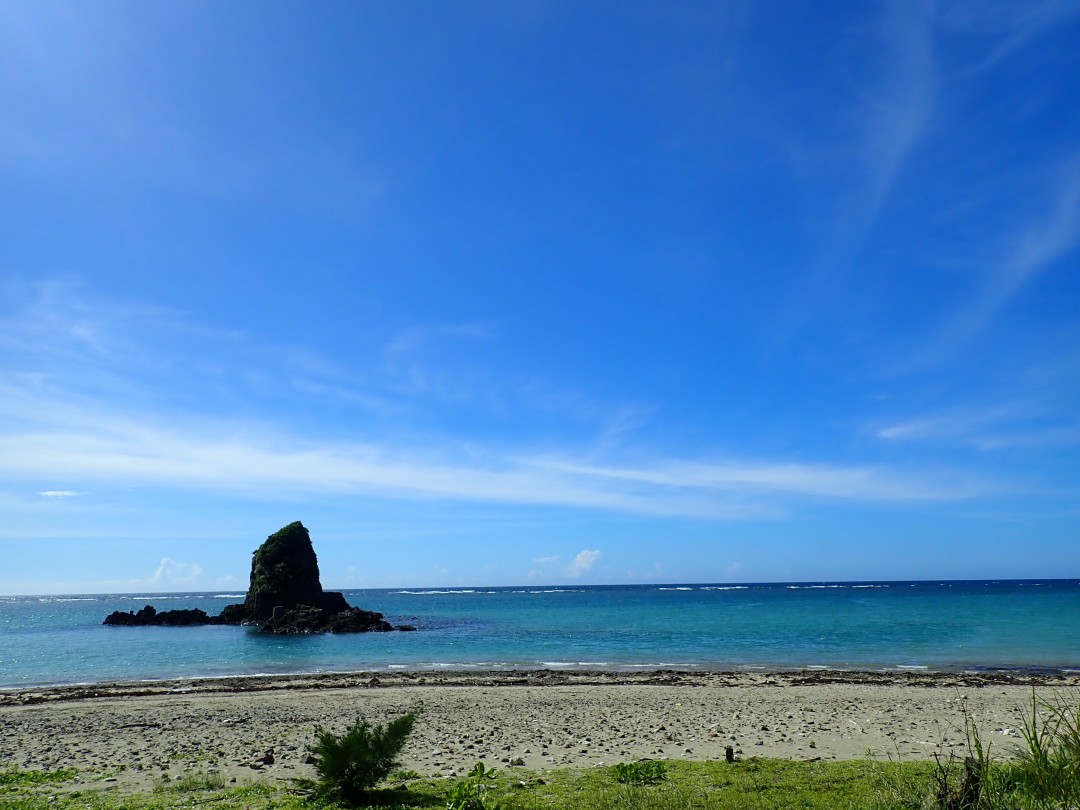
{"x": 777, "y": 479}
{"x": 1010, "y": 25}
{"x": 984, "y": 430}
{"x": 75, "y": 429}
{"x": 1027, "y": 250}
{"x": 892, "y": 117}
{"x": 849, "y": 167}
{"x": 90, "y": 443}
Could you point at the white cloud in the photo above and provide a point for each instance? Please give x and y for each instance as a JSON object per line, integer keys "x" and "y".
{"x": 1007, "y": 425}
{"x": 83, "y": 437}
{"x": 758, "y": 479}
{"x": 49, "y": 439}
{"x": 545, "y": 560}
{"x": 171, "y": 572}
{"x": 582, "y": 563}
{"x": 59, "y": 493}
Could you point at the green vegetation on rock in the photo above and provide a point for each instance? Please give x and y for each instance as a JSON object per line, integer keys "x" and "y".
{"x": 284, "y": 571}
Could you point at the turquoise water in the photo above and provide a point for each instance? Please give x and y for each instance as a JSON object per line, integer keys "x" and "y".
{"x": 1028, "y": 625}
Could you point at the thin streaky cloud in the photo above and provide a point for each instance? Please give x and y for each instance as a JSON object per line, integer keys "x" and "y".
{"x": 884, "y": 122}
{"x": 1027, "y": 252}
{"x": 1019, "y": 24}
{"x": 960, "y": 423}
{"x": 897, "y": 113}
{"x": 414, "y": 338}
{"x": 89, "y": 445}
{"x": 868, "y": 483}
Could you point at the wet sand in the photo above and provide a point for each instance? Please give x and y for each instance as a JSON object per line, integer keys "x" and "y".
{"x": 130, "y": 736}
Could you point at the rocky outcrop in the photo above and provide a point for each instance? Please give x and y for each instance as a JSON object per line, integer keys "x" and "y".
{"x": 149, "y": 616}
{"x": 285, "y": 596}
{"x": 306, "y": 619}
{"x": 285, "y": 573}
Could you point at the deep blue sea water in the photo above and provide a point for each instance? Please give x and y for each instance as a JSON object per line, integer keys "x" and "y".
{"x": 1026, "y": 625}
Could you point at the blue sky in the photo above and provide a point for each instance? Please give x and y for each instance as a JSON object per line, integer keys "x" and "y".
{"x": 511, "y": 292}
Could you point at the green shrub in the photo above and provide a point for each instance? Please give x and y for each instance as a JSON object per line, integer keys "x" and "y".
{"x": 352, "y": 763}
{"x": 469, "y": 794}
{"x": 649, "y": 772}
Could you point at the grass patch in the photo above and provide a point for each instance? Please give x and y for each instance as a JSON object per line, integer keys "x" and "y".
{"x": 648, "y": 772}
{"x": 751, "y": 784}
{"x": 15, "y": 778}
{"x": 754, "y": 783}
{"x": 193, "y": 783}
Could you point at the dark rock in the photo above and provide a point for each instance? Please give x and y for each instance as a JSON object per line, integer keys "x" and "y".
{"x": 285, "y": 596}
{"x": 306, "y": 619}
{"x": 285, "y": 572}
{"x": 234, "y": 614}
{"x": 149, "y": 616}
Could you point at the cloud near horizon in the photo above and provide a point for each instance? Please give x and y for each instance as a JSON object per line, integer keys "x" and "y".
{"x": 583, "y": 563}
{"x": 171, "y": 572}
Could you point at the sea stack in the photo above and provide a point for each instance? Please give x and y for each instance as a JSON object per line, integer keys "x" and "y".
{"x": 285, "y": 596}
{"x": 285, "y": 574}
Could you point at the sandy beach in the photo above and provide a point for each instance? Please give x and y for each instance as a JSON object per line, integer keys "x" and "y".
{"x": 260, "y": 728}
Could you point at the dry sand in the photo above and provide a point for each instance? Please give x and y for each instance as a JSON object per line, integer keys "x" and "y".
{"x": 260, "y": 728}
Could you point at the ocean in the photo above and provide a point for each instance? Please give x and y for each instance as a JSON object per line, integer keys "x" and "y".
{"x": 1028, "y": 625}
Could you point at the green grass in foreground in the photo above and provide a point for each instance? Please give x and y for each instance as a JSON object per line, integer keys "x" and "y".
{"x": 753, "y": 783}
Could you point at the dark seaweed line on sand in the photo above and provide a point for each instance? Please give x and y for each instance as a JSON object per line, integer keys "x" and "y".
{"x": 367, "y": 680}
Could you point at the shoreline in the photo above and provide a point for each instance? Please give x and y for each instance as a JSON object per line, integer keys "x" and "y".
{"x": 451, "y": 677}
{"x": 260, "y": 728}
